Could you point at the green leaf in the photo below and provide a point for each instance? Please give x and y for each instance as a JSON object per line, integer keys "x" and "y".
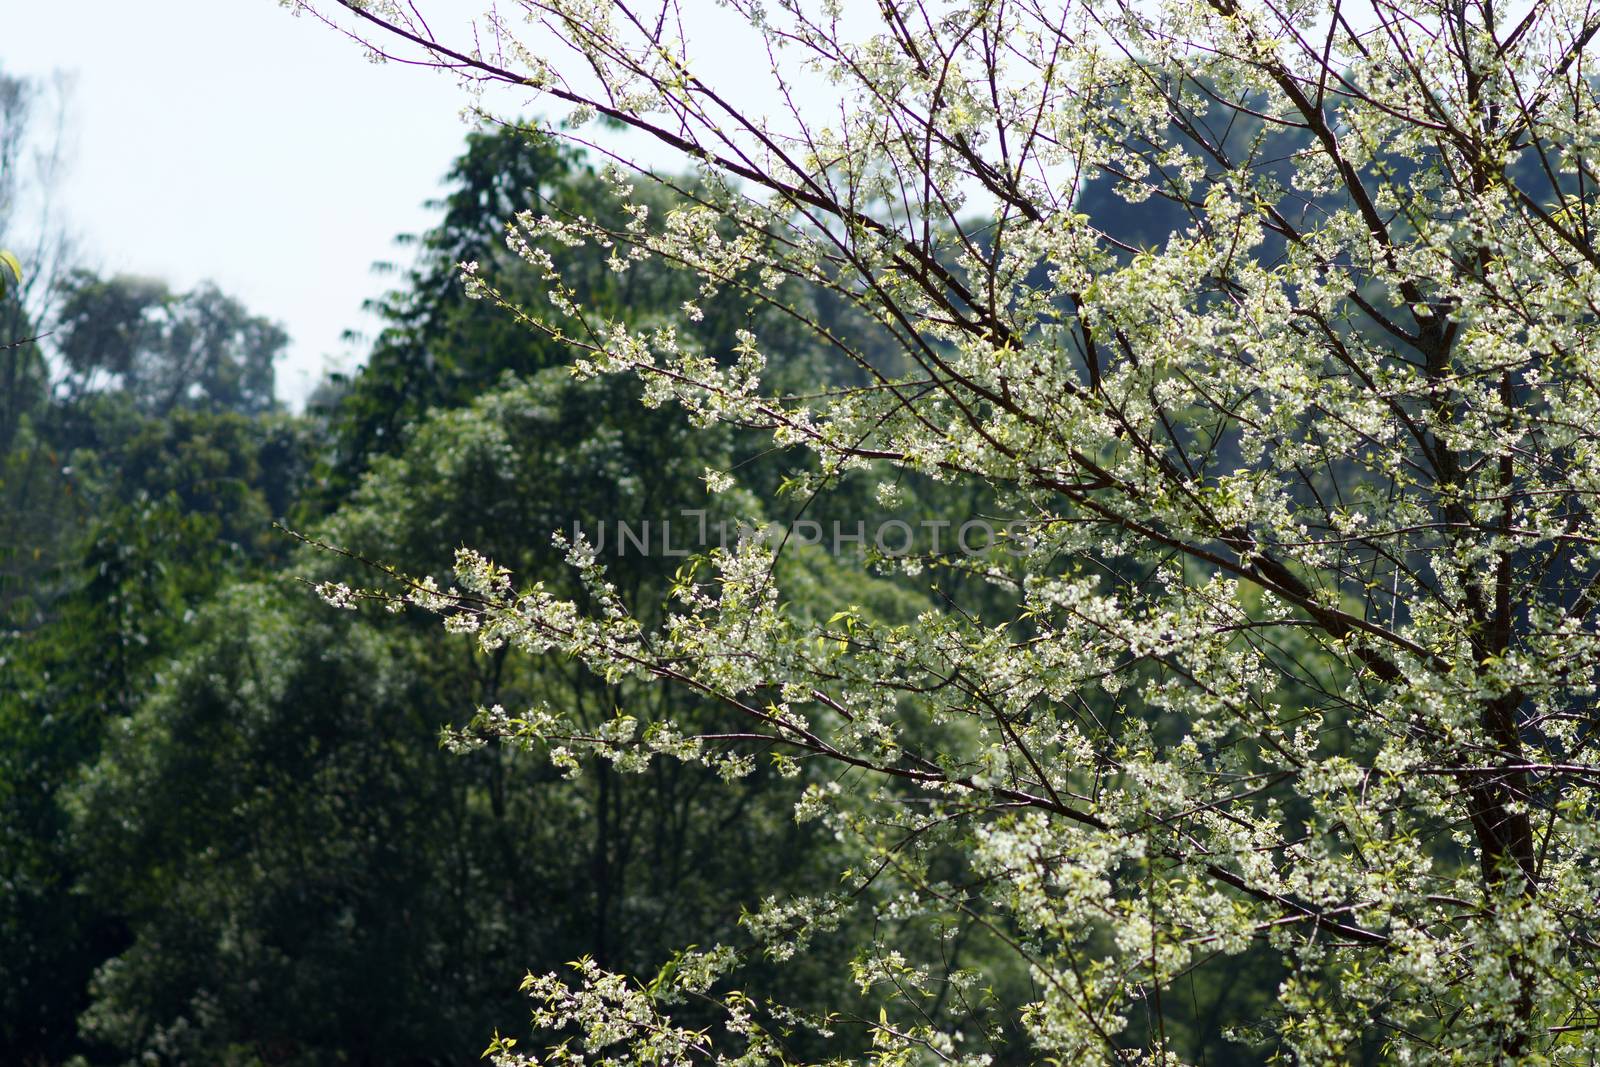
{"x": 10, "y": 262}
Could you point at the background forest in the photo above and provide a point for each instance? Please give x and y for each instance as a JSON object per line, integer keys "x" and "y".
{"x": 229, "y": 832}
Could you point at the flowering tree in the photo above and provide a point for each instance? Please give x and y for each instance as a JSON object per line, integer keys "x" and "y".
{"x": 1294, "y": 504}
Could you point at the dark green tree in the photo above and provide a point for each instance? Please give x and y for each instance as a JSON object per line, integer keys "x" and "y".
{"x": 117, "y": 520}
{"x": 200, "y": 350}
{"x": 300, "y": 894}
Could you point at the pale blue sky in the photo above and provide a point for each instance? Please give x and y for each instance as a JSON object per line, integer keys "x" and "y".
{"x": 226, "y": 139}
{"x": 229, "y": 140}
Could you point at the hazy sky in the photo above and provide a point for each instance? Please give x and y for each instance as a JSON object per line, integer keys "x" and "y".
{"x": 230, "y": 140}
{"x": 225, "y": 139}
